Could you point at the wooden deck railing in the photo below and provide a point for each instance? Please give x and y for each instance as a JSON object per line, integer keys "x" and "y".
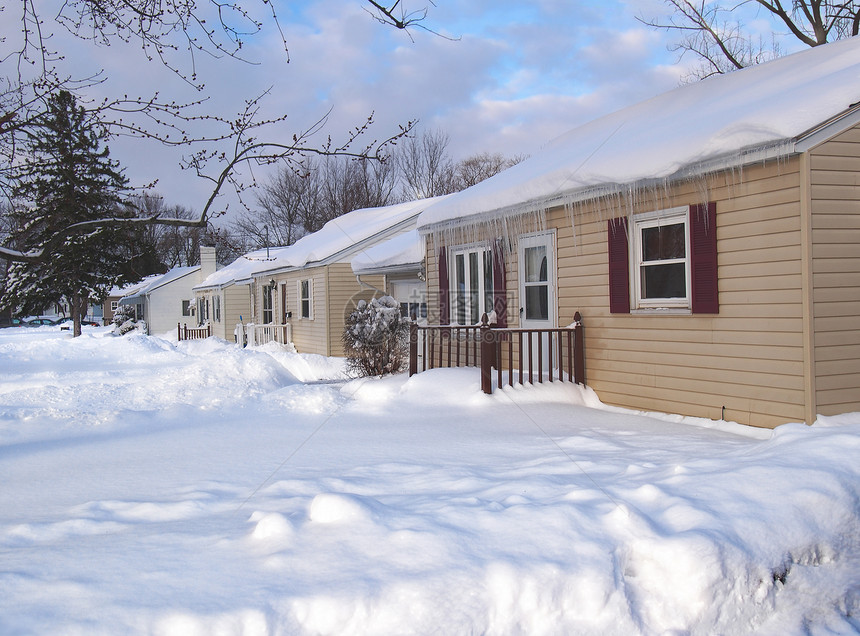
{"x": 184, "y": 332}
{"x": 521, "y": 355}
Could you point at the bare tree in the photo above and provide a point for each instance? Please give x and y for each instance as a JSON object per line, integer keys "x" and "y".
{"x": 283, "y": 205}
{"x": 426, "y": 167}
{"x": 484, "y": 165}
{"x": 174, "y": 33}
{"x": 716, "y": 34}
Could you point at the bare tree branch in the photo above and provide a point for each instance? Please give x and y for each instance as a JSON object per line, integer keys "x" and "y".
{"x": 715, "y": 33}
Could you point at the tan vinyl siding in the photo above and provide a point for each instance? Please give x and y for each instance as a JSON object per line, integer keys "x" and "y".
{"x": 344, "y": 292}
{"x": 309, "y": 336}
{"x": 236, "y": 302}
{"x": 835, "y": 204}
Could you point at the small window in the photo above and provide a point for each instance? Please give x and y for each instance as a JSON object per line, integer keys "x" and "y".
{"x": 216, "y": 308}
{"x": 306, "y": 298}
{"x": 660, "y": 263}
{"x": 113, "y": 305}
{"x": 201, "y": 310}
{"x": 186, "y": 307}
{"x": 267, "y": 304}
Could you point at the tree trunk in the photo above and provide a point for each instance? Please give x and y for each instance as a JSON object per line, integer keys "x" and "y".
{"x": 77, "y": 303}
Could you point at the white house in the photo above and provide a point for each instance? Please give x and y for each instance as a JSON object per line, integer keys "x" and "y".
{"x": 167, "y": 300}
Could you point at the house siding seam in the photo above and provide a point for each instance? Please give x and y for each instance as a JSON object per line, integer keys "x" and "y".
{"x": 835, "y": 271}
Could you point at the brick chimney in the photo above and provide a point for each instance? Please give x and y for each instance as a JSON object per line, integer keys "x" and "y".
{"x": 207, "y": 261}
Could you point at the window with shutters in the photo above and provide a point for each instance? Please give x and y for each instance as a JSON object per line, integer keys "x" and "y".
{"x": 472, "y": 282}
{"x": 661, "y": 259}
{"x": 664, "y": 260}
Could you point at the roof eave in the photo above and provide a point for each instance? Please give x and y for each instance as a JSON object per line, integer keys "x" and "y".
{"x": 337, "y": 256}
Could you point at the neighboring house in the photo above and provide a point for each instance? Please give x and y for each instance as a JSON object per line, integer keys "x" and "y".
{"x": 226, "y": 296}
{"x": 310, "y": 286}
{"x": 166, "y": 301}
{"x": 400, "y": 262}
{"x": 710, "y": 237}
{"x": 116, "y": 294}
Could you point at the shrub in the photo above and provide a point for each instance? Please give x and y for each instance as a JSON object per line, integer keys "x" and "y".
{"x": 375, "y": 337}
{"x": 124, "y": 322}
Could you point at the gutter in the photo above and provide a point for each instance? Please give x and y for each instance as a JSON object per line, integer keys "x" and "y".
{"x": 368, "y": 285}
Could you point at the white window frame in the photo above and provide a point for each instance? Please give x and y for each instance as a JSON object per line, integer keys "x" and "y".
{"x": 484, "y": 253}
{"x": 266, "y": 308}
{"x": 302, "y": 299}
{"x": 671, "y": 216}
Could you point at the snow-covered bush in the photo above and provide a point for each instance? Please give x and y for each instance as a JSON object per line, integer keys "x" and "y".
{"x": 375, "y": 337}
{"x": 124, "y": 322}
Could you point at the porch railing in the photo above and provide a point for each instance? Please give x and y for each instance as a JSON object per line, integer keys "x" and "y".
{"x": 269, "y": 332}
{"x": 184, "y": 332}
{"x": 511, "y": 355}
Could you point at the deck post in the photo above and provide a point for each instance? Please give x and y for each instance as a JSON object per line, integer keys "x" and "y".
{"x": 413, "y": 349}
{"x": 487, "y": 350}
{"x": 578, "y": 351}
{"x": 179, "y": 332}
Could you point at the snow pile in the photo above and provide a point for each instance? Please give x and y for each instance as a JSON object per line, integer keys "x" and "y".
{"x": 218, "y": 494}
{"x": 674, "y": 135}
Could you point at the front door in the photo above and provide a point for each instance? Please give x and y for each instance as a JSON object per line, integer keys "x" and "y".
{"x": 537, "y": 292}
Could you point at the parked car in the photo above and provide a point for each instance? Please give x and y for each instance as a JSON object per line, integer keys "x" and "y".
{"x": 39, "y": 322}
{"x": 11, "y": 322}
{"x": 67, "y": 319}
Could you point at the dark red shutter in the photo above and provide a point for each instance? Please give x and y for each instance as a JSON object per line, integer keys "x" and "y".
{"x": 500, "y": 295}
{"x": 619, "y": 268}
{"x": 444, "y": 296}
{"x": 703, "y": 258}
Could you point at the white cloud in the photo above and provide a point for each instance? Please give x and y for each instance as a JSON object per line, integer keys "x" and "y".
{"x": 517, "y": 75}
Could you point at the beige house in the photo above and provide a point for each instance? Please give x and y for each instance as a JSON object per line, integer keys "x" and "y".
{"x": 224, "y": 299}
{"x": 308, "y": 289}
{"x": 710, "y": 238}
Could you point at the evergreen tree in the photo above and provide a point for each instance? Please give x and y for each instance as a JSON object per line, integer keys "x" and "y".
{"x": 68, "y": 178}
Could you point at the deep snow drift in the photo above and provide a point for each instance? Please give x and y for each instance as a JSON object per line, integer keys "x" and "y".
{"x": 150, "y": 487}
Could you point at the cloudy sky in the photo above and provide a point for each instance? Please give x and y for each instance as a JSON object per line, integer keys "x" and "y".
{"x": 498, "y": 75}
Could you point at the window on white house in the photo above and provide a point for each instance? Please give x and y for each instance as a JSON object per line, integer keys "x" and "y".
{"x": 306, "y": 293}
{"x": 216, "y": 308}
{"x": 660, "y": 260}
{"x": 472, "y": 281}
{"x": 186, "y": 307}
{"x": 113, "y": 305}
{"x": 267, "y": 304}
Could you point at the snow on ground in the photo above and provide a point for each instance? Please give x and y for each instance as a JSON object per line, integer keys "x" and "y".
{"x": 155, "y": 487}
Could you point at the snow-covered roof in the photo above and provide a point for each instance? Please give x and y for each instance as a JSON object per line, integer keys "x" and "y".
{"x": 242, "y": 269}
{"x": 723, "y": 121}
{"x": 132, "y": 288}
{"x": 342, "y": 235}
{"x": 403, "y": 250}
{"x": 151, "y": 283}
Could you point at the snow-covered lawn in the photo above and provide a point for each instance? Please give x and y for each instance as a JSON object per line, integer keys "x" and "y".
{"x": 150, "y": 487}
